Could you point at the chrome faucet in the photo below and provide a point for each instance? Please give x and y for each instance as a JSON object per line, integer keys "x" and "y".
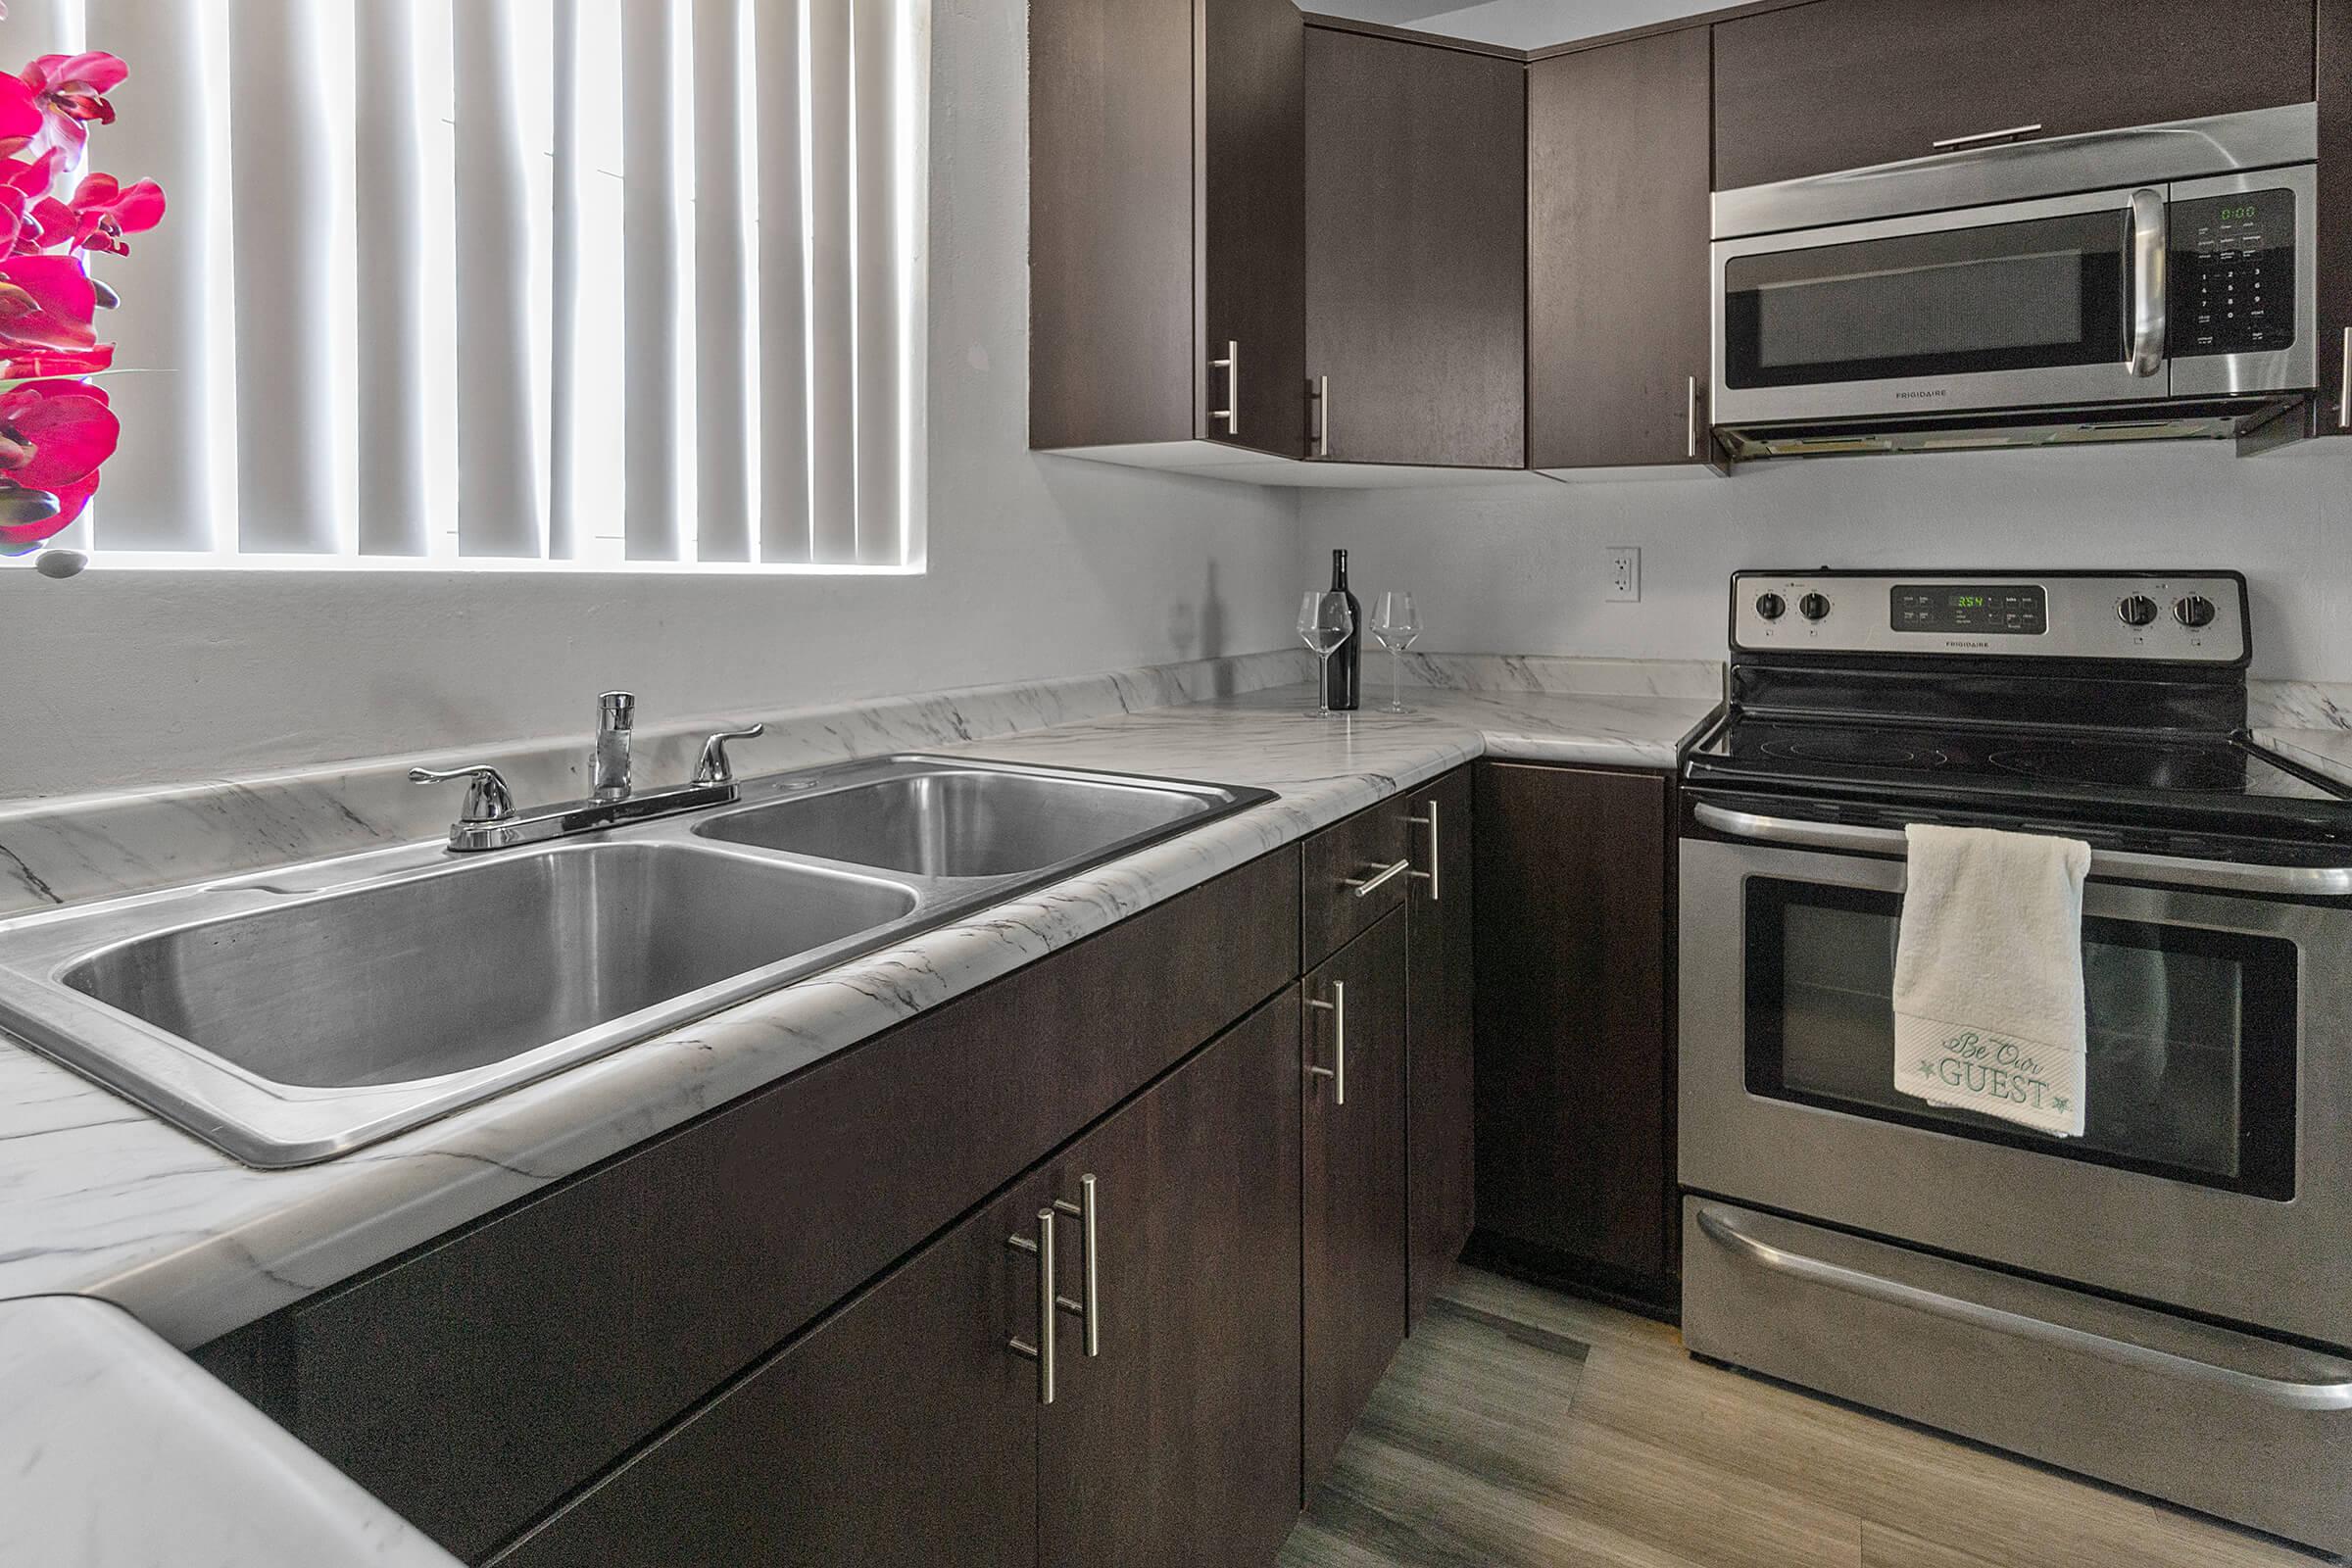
{"x": 490, "y": 820}
{"x": 609, "y": 766}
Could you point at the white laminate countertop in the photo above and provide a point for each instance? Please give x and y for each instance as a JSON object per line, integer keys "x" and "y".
{"x": 2326, "y": 752}
{"x": 116, "y": 1451}
{"x": 98, "y": 1198}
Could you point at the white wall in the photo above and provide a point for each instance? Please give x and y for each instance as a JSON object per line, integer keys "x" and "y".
{"x": 1039, "y": 566}
{"x": 1520, "y": 571}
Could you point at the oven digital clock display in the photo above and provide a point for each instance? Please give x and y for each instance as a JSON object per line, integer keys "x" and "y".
{"x": 2008, "y": 610}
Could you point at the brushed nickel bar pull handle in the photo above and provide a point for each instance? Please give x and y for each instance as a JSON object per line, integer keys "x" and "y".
{"x": 1950, "y": 142}
{"x": 1366, "y": 886}
{"x": 1690, "y": 420}
{"x": 1428, "y": 876}
{"x": 1231, "y": 365}
{"x": 1090, "y": 1310}
{"x": 1323, "y": 416}
{"x": 1336, "y": 1073}
{"x": 1042, "y": 1353}
{"x": 2328, "y": 1394}
{"x": 2344, "y": 391}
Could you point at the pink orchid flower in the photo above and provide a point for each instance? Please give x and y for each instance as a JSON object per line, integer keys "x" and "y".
{"x": 100, "y": 211}
{"x": 70, "y": 91}
{"x": 53, "y": 436}
{"x": 46, "y": 301}
{"x": 23, "y": 185}
{"x": 21, "y": 116}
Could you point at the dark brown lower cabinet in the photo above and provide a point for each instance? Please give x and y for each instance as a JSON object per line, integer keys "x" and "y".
{"x": 904, "y": 1429}
{"x": 1352, "y": 1298}
{"x": 1574, "y": 1055}
{"x": 1439, "y": 937}
{"x": 1177, "y": 1446}
{"x": 900, "y": 1430}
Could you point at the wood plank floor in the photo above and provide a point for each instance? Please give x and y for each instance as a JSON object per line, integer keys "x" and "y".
{"x": 1519, "y": 1427}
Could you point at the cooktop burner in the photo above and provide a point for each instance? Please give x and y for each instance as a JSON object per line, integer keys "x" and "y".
{"x": 1858, "y": 747}
{"x": 2201, "y": 768}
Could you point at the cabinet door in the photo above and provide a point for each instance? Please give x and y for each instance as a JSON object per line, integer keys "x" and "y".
{"x": 1618, "y": 226}
{"x": 901, "y": 1430}
{"x": 1845, "y": 84}
{"x": 1353, "y": 1187}
{"x": 1252, "y": 224}
{"x": 1572, "y": 1058}
{"x": 1440, "y": 938}
{"x": 1416, "y": 274}
{"x": 1176, "y": 1446}
{"x": 2332, "y": 413}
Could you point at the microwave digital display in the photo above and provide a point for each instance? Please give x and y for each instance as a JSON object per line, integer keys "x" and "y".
{"x": 2232, "y": 286}
{"x": 2010, "y": 609}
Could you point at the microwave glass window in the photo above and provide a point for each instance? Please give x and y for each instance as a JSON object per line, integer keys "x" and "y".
{"x": 2190, "y": 1063}
{"x": 2003, "y": 297}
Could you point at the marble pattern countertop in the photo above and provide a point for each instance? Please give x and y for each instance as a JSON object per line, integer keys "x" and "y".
{"x": 2326, "y": 752}
{"x": 97, "y": 1198}
{"x": 116, "y": 1451}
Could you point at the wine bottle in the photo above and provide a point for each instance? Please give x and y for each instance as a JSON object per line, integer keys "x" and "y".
{"x": 1345, "y": 690}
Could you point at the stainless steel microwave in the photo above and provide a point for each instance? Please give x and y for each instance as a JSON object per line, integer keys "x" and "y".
{"x": 2100, "y": 283}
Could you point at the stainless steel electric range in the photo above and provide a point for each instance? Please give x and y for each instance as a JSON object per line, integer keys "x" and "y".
{"x": 2164, "y": 1303}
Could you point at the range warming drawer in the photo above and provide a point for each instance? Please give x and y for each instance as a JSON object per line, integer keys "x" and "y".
{"x": 2249, "y": 1429}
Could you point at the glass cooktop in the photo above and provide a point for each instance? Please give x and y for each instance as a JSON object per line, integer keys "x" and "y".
{"x": 2098, "y": 774}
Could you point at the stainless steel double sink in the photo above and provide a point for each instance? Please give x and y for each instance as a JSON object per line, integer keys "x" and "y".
{"x": 293, "y": 1015}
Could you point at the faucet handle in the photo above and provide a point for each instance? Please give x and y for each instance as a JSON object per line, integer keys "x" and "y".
{"x": 487, "y": 799}
{"x": 714, "y": 768}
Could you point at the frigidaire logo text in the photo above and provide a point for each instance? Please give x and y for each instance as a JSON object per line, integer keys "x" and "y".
{"x": 1932, "y": 392}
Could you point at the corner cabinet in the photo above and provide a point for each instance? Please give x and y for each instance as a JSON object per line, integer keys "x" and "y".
{"x": 1575, "y": 1051}
{"x": 1619, "y": 361}
{"x": 1166, "y": 226}
{"x": 1416, "y": 267}
{"x": 1440, "y": 937}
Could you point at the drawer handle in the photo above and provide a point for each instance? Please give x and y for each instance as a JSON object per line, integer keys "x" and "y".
{"x": 1971, "y": 140}
{"x": 1090, "y": 1310}
{"x": 1428, "y": 876}
{"x": 2331, "y": 1395}
{"x": 1042, "y": 1353}
{"x": 1231, "y": 412}
{"x": 1336, "y": 1073}
{"x": 1366, "y": 886}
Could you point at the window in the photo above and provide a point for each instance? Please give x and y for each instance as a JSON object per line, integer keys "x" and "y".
{"x": 479, "y": 283}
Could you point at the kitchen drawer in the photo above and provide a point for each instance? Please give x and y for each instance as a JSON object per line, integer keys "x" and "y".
{"x": 1335, "y": 906}
{"x": 1841, "y": 84}
{"x": 474, "y": 1384}
{"x": 2250, "y": 1429}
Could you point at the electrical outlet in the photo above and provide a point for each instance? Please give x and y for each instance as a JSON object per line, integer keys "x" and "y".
{"x": 1625, "y": 573}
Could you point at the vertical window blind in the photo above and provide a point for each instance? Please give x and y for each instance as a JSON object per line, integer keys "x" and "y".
{"x": 603, "y": 283}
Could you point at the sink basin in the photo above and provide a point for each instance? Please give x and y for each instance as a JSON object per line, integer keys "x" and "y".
{"x": 293, "y": 1015}
{"x": 956, "y": 822}
{"x": 449, "y": 973}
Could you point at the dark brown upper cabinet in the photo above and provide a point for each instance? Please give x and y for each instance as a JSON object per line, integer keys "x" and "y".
{"x": 1845, "y": 84}
{"x": 2332, "y": 412}
{"x": 1166, "y": 224}
{"x": 1618, "y": 226}
{"x": 1416, "y": 274}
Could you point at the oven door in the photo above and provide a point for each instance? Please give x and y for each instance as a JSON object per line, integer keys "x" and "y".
{"x": 2213, "y": 1174}
{"x": 2050, "y": 301}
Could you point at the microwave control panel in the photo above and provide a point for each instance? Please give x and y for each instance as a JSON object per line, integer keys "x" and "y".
{"x": 2233, "y": 284}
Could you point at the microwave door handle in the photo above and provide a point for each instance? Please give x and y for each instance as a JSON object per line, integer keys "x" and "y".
{"x": 2221, "y": 876}
{"x": 2148, "y": 243}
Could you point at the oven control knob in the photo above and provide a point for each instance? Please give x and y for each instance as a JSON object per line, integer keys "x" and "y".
{"x": 2193, "y": 611}
{"x": 1813, "y": 607}
{"x": 1772, "y": 607}
{"x": 2136, "y": 610}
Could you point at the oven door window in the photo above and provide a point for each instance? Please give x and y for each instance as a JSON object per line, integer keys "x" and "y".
{"x": 2191, "y": 1061}
{"x": 2032, "y": 295}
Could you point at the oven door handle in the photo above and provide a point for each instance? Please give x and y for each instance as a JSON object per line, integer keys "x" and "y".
{"x": 2333, "y": 1393}
{"x": 2227, "y": 876}
{"x": 2149, "y": 243}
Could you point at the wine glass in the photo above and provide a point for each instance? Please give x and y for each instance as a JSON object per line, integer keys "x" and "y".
{"x": 1324, "y": 622}
{"x": 1397, "y": 623}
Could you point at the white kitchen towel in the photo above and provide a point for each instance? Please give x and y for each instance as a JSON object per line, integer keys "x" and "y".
{"x": 1988, "y": 1009}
